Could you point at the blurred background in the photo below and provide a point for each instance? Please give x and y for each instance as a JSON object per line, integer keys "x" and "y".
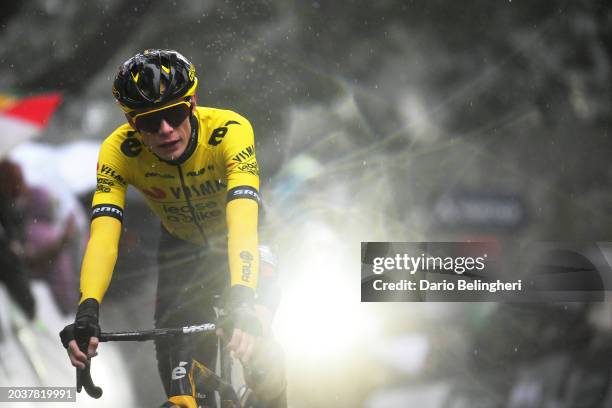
{"x": 374, "y": 121}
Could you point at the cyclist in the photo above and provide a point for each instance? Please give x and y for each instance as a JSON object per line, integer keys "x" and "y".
{"x": 197, "y": 170}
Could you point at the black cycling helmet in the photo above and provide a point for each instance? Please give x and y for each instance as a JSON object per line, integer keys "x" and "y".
{"x": 153, "y": 78}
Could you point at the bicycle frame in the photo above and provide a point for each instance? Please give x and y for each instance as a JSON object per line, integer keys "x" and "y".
{"x": 220, "y": 383}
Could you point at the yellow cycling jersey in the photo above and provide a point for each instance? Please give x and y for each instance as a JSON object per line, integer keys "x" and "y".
{"x": 193, "y": 198}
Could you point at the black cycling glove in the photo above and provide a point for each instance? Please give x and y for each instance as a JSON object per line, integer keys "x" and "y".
{"x": 241, "y": 313}
{"x": 85, "y": 325}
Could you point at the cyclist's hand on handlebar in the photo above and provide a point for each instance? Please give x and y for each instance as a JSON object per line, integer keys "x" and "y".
{"x": 77, "y": 357}
{"x": 243, "y": 345}
{"x": 81, "y": 337}
{"x": 243, "y": 322}
{"x": 245, "y": 329}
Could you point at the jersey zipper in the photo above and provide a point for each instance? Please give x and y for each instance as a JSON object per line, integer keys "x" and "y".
{"x": 190, "y": 206}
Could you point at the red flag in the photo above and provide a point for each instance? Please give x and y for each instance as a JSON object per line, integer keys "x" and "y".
{"x": 23, "y": 119}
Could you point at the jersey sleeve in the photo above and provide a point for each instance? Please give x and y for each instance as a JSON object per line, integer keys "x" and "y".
{"x": 237, "y": 151}
{"x": 106, "y": 217}
{"x": 100, "y": 258}
{"x": 111, "y": 182}
{"x": 242, "y": 243}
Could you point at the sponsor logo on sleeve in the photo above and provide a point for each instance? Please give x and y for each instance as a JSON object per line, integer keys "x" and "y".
{"x": 247, "y": 261}
{"x": 244, "y": 154}
{"x": 243, "y": 192}
{"x": 106, "y": 170}
{"x": 103, "y": 185}
{"x": 251, "y": 168}
{"x": 109, "y": 210}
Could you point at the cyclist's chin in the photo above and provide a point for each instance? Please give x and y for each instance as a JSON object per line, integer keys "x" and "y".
{"x": 171, "y": 151}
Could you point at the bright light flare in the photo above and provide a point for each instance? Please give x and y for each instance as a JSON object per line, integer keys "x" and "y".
{"x": 321, "y": 316}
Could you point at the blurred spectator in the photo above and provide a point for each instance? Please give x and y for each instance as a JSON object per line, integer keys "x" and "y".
{"x": 41, "y": 236}
{"x": 12, "y": 236}
{"x": 53, "y": 245}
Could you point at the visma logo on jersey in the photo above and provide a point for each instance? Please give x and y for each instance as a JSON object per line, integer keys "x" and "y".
{"x": 198, "y": 190}
{"x": 107, "y": 170}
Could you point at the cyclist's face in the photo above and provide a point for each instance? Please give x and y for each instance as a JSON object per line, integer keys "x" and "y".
{"x": 171, "y": 138}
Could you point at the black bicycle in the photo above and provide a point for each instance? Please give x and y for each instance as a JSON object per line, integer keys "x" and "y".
{"x": 230, "y": 396}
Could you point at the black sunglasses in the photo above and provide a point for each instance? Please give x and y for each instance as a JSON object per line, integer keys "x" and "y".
{"x": 174, "y": 115}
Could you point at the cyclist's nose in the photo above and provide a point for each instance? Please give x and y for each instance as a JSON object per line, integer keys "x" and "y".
{"x": 165, "y": 127}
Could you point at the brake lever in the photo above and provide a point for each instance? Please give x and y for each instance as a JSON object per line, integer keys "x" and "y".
{"x": 83, "y": 377}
